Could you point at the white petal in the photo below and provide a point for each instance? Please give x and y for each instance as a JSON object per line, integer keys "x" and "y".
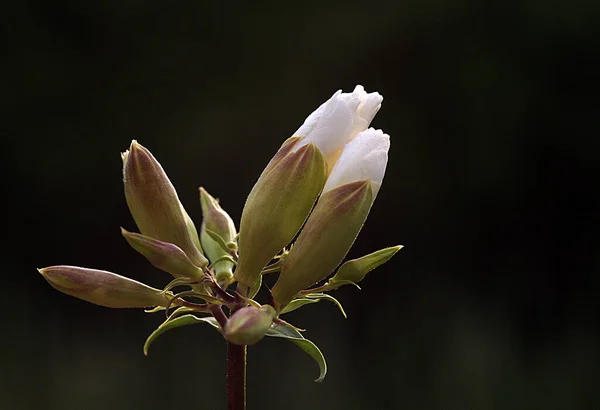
{"x": 338, "y": 120}
{"x": 329, "y": 126}
{"x": 365, "y": 157}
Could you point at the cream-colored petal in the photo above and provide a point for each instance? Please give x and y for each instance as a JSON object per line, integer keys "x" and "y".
{"x": 363, "y": 158}
{"x": 339, "y": 120}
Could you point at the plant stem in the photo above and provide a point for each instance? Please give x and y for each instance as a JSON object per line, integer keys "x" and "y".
{"x": 236, "y": 377}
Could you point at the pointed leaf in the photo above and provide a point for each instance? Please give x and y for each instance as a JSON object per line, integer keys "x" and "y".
{"x": 355, "y": 270}
{"x": 319, "y": 296}
{"x": 255, "y": 288}
{"x": 178, "y": 322}
{"x": 338, "y": 283}
{"x": 309, "y": 347}
{"x": 165, "y": 256}
{"x": 219, "y": 240}
{"x": 296, "y": 304}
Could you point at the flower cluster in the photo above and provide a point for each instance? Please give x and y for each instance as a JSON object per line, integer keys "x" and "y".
{"x": 300, "y": 220}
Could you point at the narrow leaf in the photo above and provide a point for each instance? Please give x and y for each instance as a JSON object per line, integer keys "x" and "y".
{"x": 297, "y": 303}
{"x": 319, "y": 296}
{"x": 178, "y": 322}
{"x": 355, "y": 270}
{"x": 218, "y": 239}
{"x": 255, "y": 288}
{"x": 309, "y": 347}
{"x": 334, "y": 285}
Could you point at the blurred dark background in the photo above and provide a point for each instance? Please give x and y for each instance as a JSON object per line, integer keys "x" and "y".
{"x": 491, "y": 185}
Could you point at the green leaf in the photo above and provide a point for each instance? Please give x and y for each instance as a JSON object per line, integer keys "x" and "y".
{"x": 181, "y": 281}
{"x": 355, "y": 270}
{"x": 319, "y": 296}
{"x": 178, "y": 322}
{"x": 218, "y": 239}
{"x": 309, "y": 347}
{"x": 255, "y": 288}
{"x": 334, "y": 285}
{"x": 297, "y": 303}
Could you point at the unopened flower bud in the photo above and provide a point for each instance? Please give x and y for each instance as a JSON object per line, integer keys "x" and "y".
{"x": 355, "y": 270}
{"x": 154, "y": 203}
{"x": 164, "y": 255}
{"x": 337, "y": 217}
{"x": 248, "y": 325}
{"x": 103, "y": 288}
{"x": 338, "y": 120}
{"x": 277, "y": 207}
{"x": 286, "y": 190}
{"x": 215, "y": 219}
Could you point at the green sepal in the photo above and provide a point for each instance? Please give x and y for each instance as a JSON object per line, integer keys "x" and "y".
{"x": 355, "y": 270}
{"x": 178, "y": 322}
{"x": 309, "y": 347}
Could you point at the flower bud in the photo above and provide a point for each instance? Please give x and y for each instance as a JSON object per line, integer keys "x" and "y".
{"x": 248, "y": 325}
{"x": 286, "y": 190}
{"x": 218, "y": 221}
{"x": 339, "y": 120}
{"x": 164, "y": 255}
{"x": 154, "y": 203}
{"x": 319, "y": 248}
{"x": 277, "y": 207}
{"x": 103, "y": 288}
{"x": 355, "y": 270}
{"x": 337, "y": 217}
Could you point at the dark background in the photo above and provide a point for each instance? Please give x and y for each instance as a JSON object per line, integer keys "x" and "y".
{"x": 492, "y": 304}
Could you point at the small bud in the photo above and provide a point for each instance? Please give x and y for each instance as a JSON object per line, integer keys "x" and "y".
{"x": 355, "y": 270}
{"x": 337, "y": 217}
{"x": 277, "y": 207}
{"x": 248, "y": 325}
{"x": 164, "y": 255}
{"x": 154, "y": 203}
{"x": 218, "y": 221}
{"x": 103, "y": 288}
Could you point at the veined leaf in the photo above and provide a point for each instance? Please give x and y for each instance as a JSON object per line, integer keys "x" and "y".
{"x": 297, "y": 303}
{"x": 309, "y": 347}
{"x": 325, "y": 296}
{"x": 334, "y": 285}
{"x": 178, "y": 322}
{"x": 312, "y": 298}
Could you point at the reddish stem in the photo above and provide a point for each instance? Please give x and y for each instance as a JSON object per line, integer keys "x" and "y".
{"x": 236, "y": 377}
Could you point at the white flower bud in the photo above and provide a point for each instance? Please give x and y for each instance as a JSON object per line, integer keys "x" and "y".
{"x": 339, "y": 120}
